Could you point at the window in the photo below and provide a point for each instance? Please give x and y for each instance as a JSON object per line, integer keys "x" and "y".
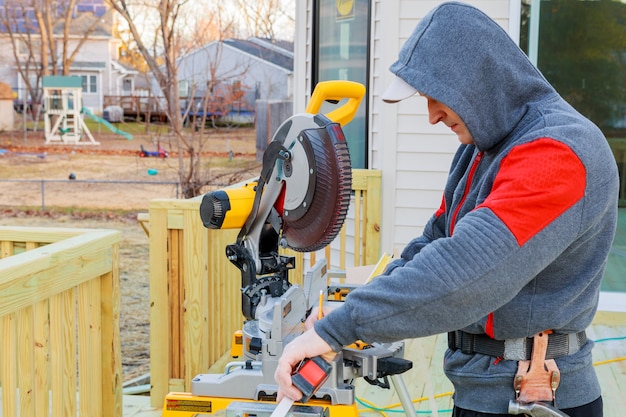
{"x": 580, "y": 46}
{"x": 341, "y": 52}
{"x": 183, "y": 88}
{"x": 90, "y": 83}
{"x": 127, "y": 85}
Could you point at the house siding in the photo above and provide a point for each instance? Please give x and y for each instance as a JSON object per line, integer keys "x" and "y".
{"x": 413, "y": 155}
{"x": 234, "y": 64}
{"x": 94, "y": 58}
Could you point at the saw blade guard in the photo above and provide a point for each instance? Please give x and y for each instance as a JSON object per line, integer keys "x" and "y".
{"x": 311, "y": 181}
{"x": 315, "y": 206}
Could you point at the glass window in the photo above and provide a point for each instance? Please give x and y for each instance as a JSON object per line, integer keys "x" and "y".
{"x": 127, "y": 84}
{"x": 90, "y": 83}
{"x": 341, "y": 50}
{"x": 580, "y": 46}
{"x": 183, "y": 88}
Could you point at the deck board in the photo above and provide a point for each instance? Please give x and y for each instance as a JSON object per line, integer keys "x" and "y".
{"x": 426, "y": 378}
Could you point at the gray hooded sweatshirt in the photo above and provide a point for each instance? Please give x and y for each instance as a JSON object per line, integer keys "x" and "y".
{"x": 526, "y": 223}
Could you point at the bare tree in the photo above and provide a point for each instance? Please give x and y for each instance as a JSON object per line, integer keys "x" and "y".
{"x": 179, "y": 30}
{"x": 27, "y": 49}
{"x": 34, "y": 39}
{"x": 171, "y": 38}
{"x": 261, "y": 17}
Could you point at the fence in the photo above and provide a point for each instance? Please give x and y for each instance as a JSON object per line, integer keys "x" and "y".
{"x": 96, "y": 194}
{"x": 59, "y": 321}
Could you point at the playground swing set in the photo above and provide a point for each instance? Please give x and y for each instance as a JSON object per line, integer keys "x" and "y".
{"x": 63, "y": 112}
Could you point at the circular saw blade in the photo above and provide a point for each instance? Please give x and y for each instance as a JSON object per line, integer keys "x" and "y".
{"x": 318, "y": 182}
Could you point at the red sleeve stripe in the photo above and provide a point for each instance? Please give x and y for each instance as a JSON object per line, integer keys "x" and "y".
{"x": 537, "y": 182}
{"x": 489, "y": 326}
{"x": 442, "y": 207}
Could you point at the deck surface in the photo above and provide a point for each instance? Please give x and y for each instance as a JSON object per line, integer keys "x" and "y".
{"x": 608, "y": 329}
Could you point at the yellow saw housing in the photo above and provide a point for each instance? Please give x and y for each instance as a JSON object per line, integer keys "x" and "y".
{"x": 228, "y": 208}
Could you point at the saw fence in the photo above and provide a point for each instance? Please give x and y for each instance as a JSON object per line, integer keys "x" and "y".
{"x": 195, "y": 296}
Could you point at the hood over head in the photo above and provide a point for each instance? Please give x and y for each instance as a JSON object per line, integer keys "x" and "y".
{"x": 460, "y": 57}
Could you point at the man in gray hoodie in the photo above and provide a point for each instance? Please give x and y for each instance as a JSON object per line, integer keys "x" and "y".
{"x": 519, "y": 245}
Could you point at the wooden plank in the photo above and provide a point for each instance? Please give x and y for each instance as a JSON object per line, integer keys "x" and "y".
{"x": 41, "y": 335}
{"x": 34, "y": 276}
{"x": 159, "y": 306}
{"x": 359, "y": 179}
{"x": 6, "y": 249}
{"x": 176, "y": 385}
{"x": 39, "y": 234}
{"x": 26, "y": 362}
{"x": 175, "y": 296}
{"x": 610, "y": 318}
{"x": 175, "y": 219}
{"x": 359, "y": 219}
{"x": 63, "y": 354}
{"x": 8, "y": 365}
{"x": 144, "y": 221}
{"x": 195, "y": 303}
{"x": 47, "y": 274}
{"x": 89, "y": 348}
{"x": 223, "y": 295}
{"x": 111, "y": 346}
{"x": 57, "y": 252}
{"x": 342, "y": 248}
{"x": 372, "y": 216}
{"x": 175, "y": 204}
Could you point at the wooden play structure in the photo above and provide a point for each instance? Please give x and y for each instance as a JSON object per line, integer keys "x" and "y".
{"x": 63, "y": 105}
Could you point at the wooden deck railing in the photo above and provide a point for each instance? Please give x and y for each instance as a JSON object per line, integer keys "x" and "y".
{"x": 59, "y": 322}
{"x": 195, "y": 295}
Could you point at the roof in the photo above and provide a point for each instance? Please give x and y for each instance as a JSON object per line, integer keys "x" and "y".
{"x": 21, "y": 18}
{"x": 275, "y": 52}
{"x": 60, "y": 81}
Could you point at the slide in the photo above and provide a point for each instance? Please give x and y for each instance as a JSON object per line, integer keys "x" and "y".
{"x": 107, "y": 124}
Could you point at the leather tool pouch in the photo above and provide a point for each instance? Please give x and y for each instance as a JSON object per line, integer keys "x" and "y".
{"x": 537, "y": 379}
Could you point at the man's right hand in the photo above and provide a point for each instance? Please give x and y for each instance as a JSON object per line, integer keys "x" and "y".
{"x": 307, "y": 345}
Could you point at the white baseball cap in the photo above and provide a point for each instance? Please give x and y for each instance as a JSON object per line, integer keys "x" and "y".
{"x": 398, "y": 90}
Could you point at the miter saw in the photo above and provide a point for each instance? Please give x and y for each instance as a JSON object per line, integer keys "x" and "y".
{"x": 299, "y": 201}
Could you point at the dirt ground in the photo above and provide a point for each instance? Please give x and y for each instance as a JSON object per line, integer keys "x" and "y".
{"x": 26, "y": 157}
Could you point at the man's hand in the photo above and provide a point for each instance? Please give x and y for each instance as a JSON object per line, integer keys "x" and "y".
{"x": 307, "y": 345}
{"x": 314, "y": 316}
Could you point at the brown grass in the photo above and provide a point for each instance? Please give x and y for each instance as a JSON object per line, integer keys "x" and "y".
{"x": 112, "y": 208}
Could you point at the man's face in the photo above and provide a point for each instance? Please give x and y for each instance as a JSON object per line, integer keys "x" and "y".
{"x": 439, "y": 112}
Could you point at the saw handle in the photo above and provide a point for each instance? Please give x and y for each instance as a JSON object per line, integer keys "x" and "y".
{"x": 337, "y": 90}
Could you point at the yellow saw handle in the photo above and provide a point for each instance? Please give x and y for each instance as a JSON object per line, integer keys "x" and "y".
{"x": 337, "y": 90}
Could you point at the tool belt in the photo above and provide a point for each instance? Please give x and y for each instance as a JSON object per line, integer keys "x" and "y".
{"x": 519, "y": 349}
{"x": 538, "y": 375}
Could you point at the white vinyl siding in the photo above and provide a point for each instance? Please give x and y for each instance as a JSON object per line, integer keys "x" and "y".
{"x": 413, "y": 155}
